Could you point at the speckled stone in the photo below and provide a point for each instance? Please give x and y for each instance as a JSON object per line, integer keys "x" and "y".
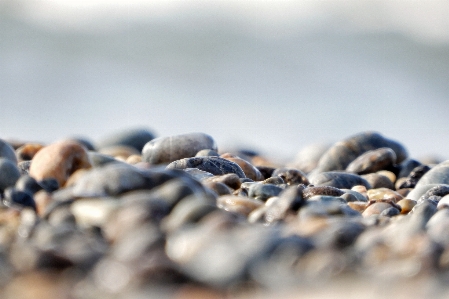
{"x": 338, "y": 156}
{"x": 415, "y": 175}
{"x": 372, "y": 161}
{"x": 308, "y": 192}
{"x": 136, "y": 138}
{"x": 341, "y": 180}
{"x": 59, "y": 160}
{"x": 250, "y": 170}
{"x": 7, "y": 151}
{"x": 9, "y": 173}
{"x": 439, "y": 174}
{"x": 419, "y": 191}
{"x": 171, "y": 148}
{"x": 214, "y": 165}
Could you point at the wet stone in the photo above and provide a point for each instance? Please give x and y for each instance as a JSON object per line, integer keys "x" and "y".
{"x": 214, "y": 165}
{"x": 59, "y": 160}
{"x": 135, "y": 138}
{"x": 341, "y": 180}
{"x": 171, "y": 148}
{"x": 372, "y": 161}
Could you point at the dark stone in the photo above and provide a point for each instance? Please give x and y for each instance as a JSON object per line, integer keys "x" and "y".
{"x": 49, "y": 184}
{"x": 7, "y": 152}
{"x": 414, "y": 176}
{"x": 214, "y": 165}
{"x": 291, "y": 176}
{"x": 406, "y": 167}
{"x": 309, "y": 192}
{"x": 266, "y": 171}
{"x": 14, "y": 198}
{"x": 9, "y": 173}
{"x": 24, "y": 167}
{"x": 27, "y": 183}
{"x": 263, "y": 191}
{"x": 438, "y": 174}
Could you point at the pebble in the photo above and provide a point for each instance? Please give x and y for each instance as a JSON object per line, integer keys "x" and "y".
{"x": 7, "y": 152}
{"x": 120, "y": 229}
{"x": 9, "y": 173}
{"x": 415, "y": 175}
{"x": 214, "y": 165}
{"x": 307, "y": 159}
{"x": 438, "y": 174}
{"x": 250, "y": 170}
{"x": 59, "y": 160}
{"x": 372, "y": 161}
{"x": 341, "y": 180}
{"x": 27, "y": 151}
{"x": 171, "y": 148}
{"x": 342, "y": 153}
{"x": 135, "y": 138}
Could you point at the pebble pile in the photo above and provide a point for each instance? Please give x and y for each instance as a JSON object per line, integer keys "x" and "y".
{"x": 135, "y": 216}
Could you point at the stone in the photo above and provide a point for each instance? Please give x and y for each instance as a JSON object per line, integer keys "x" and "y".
{"x": 230, "y": 179}
{"x": 382, "y": 194}
{"x": 266, "y": 171}
{"x": 263, "y": 191}
{"x": 59, "y": 160}
{"x": 27, "y": 151}
{"x": 119, "y": 151}
{"x": 443, "y": 203}
{"x": 406, "y": 205}
{"x": 206, "y": 153}
{"x": 250, "y": 170}
{"x": 171, "y": 148}
{"x": 438, "y": 174}
{"x": 135, "y": 138}
{"x": 341, "y": 180}
{"x": 389, "y": 174}
{"x": 214, "y": 165}
{"x": 419, "y": 191}
{"x": 378, "y": 181}
{"x": 309, "y": 192}
{"x": 7, "y": 152}
{"x": 407, "y": 166}
{"x": 372, "y": 161}
{"x": 17, "y": 198}
{"x": 291, "y": 176}
{"x": 198, "y": 174}
{"x": 339, "y": 155}
{"x": 9, "y": 173}
{"x": 238, "y": 204}
{"x": 219, "y": 188}
{"x": 415, "y": 175}
{"x": 435, "y": 193}
{"x": 377, "y": 209}
{"x": 27, "y": 183}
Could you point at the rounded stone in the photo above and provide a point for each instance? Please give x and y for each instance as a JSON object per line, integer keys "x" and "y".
{"x": 438, "y": 174}
{"x": 378, "y": 181}
{"x": 9, "y": 173}
{"x": 214, "y": 165}
{"x": 231, "y": 180}
{"x": 415, "y": 175}
{"x": 207, "y": 152}
{"x": 338, "y": 156}
{"x": 122, "y": 151}
{"x": 419, "y": 191}
{"x": 17, "y": 198}
{"x": 372, "y": 161}
{"x": 250, "y": 170}
{"x": 136, "y": 138}
{"x": 309, "y": 192}
{"x": 407, "y": 166}
{"x": 28, "y": 183}
{"x": 381, "y": 194}
{"x": 171, "y": 148}
{"x": 7, "y": 151}
{"x": 59, "y": 160}
{"x": 263, "y": 191}
{"x": 341, "y": 180}
{"x": 377, "y": 208}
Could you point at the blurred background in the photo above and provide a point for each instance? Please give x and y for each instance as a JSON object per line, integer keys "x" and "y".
{"x": 272, "y": 76}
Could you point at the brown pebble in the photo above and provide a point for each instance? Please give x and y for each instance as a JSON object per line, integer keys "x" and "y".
{"x": 359, "y": 206}
{"x": 390, "y": 175}
{"x": 59, "y": 160}
{"x": 250, "y": 170}
{"x": 231, "y": 180}
{"x": 27, "y": 151}
{"x": 218, "y": 187}
{"x": 406, "y": 205}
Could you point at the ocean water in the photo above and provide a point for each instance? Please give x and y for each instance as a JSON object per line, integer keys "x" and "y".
{"x": 274, "y": 89}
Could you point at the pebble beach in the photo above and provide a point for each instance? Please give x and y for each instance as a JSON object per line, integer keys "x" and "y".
{"x": 135, "y": 215}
